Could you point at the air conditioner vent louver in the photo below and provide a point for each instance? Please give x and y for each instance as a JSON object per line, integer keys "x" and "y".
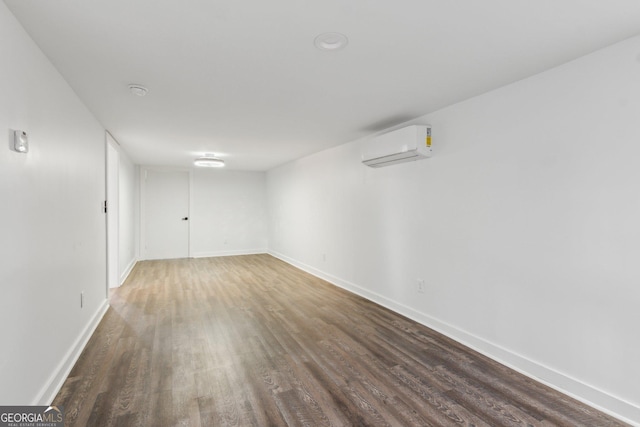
{"x": 402, "y": 145}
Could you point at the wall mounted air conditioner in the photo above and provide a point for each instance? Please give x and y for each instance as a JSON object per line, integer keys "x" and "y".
{"x": 398, "y": 146}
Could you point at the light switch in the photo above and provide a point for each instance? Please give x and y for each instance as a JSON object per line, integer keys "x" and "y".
{"x": 20, "y": 141}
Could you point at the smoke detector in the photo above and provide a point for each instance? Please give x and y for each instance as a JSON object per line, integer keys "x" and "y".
{"x": 138, "y": 90}
{"x": 331, "y": 41}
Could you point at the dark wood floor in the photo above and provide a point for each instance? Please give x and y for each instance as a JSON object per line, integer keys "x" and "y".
{"x": 251, "y": 341}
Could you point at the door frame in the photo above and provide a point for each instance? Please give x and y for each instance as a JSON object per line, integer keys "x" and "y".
{"x": 112, "y": 196}
{"x": 143, "y": 200}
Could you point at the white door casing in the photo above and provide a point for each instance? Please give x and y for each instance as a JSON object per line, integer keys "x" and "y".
{"x": 113, "y": 165}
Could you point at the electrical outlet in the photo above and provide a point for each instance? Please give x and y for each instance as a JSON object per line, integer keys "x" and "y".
{"x": 420, "y": 286}
{"x": 82, "y": 299}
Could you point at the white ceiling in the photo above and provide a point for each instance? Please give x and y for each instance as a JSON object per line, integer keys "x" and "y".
{"x": 243, "y": 79}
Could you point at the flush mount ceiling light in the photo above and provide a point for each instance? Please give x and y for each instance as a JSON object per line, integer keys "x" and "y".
{"x": 209, "y": 161}
{"x": 138, "y": 90}
{"x": 331, "y": 41}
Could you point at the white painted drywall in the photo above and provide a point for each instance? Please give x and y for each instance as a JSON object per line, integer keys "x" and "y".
{"x": 525, "y": 225}
{"x": 52, "y": 228}
{"x": 228, "y": 213}
{"x": 129, "y": 214}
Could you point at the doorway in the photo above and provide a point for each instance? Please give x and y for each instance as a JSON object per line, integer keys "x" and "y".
{"x": 113, "y": 231}
{"x": 165, "y": 214}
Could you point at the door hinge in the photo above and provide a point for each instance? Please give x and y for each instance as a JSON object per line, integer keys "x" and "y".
{"x": 105, "y": 206}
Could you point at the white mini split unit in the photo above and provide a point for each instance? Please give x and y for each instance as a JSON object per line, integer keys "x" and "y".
{"x": 398, "y": 146}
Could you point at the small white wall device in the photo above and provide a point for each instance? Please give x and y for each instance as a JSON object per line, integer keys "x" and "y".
{"x": 20, "y": 141}
{"x": 402, "y": 145}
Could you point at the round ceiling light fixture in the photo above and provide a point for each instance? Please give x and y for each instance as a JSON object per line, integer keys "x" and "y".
{"x": 138, "y": 90}
{"x": 331, "y": 41}
{"x": 209, "y": 161}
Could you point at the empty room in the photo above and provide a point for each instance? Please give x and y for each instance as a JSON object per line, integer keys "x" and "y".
{"x": 338, "y": 213}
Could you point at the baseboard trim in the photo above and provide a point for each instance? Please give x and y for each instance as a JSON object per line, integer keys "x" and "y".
{"x": 125, "y": 275}
{"x": 127, "y": 272}
{"x": 57, "y": 379}
{"x": 585, "y": 393}
{"x": 229, "y": 253}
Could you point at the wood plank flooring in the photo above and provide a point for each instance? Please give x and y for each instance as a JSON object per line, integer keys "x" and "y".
{"x": 252, "y": 341}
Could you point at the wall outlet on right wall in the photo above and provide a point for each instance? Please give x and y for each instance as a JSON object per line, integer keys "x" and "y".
{"x": 420, "y": 286}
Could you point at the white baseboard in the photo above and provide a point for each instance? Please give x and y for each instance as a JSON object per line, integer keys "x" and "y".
{"x": 126, "y": 273}
{"x": 229, "y": 253}
{"x": 57, "y": 379}
{"x": 590, "y": 395}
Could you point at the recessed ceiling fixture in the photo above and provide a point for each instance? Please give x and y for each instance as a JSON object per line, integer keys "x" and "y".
{"x": 209, "y": 161}
{"x": 331, "y": 41}
{"x": 138, "y": 90}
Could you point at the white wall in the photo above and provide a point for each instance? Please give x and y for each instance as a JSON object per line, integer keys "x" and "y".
{"x": 228, "y": 213}
{"x": 525, "y": 226}
{"x": 129, "y": 214}
{"x": 52, "y": 228}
